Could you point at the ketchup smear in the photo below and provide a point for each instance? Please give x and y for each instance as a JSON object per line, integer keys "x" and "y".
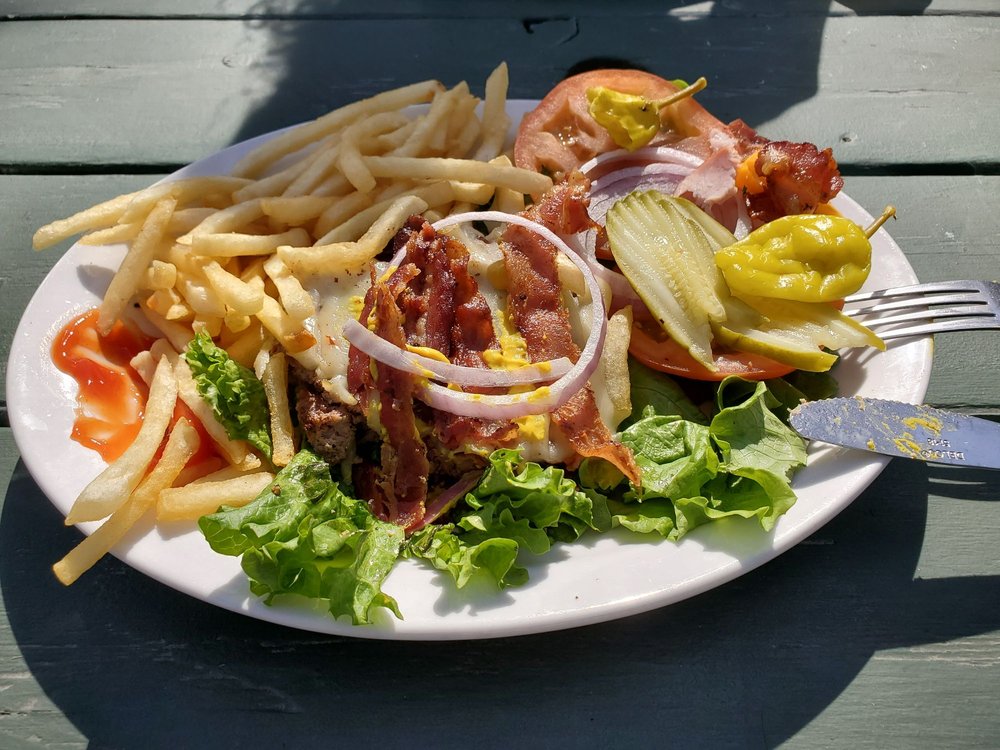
{"x": 112, "y": 396}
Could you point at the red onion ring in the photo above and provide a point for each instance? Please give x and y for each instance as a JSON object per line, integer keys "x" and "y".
{"x": 606, "y": 190}
{"x": 448, "y": 498}
{"x": 662, "y": 154}
{"x": 387, "y": 353}
{"x": 545, "y": 399}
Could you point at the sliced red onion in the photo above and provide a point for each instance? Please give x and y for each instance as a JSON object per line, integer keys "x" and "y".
{"x": 546, "y": 398}
{"x": 388, "y": 353}
{"x": 612, "y": 187}
{"x": 448, "y": 498}
{"x": 622, "y": 292}
{"x": 663, "y": 154}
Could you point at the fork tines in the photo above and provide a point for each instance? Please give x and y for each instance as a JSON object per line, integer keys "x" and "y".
{"x": 928, "y": 308}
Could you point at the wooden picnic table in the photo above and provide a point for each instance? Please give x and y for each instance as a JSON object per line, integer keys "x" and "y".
{"x": 881, "y": 630}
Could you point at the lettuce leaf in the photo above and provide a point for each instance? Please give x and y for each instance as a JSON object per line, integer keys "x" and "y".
{"x": 738, "y": 465}
{"x": 516, "y": 505}
{"x": 235, "y": 394}
{"x": 303, "y": 535}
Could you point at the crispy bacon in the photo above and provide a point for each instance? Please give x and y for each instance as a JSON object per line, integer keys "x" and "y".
{"x": 359, "y": 377}
{"x": 798, "y": 177}
{"x": 431, "y": 300}
{"x": 538, "y": 312}
{"x": 446, "y": 311}
{"x": 402, "y": 486}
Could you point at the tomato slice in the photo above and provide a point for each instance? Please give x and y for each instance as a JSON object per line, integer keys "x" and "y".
{"x": 664, "y": 354}
{"x": 559, "y": 134}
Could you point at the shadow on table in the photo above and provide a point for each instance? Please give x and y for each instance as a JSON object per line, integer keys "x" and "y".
{"x": 759, "y": 59}
{"x": 126, "y": 659}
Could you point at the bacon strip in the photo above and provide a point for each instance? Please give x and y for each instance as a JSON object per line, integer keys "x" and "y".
{"x": 538, "y": 312}
{"x": 798, "y": 176}
{"x": 403, "y": 485}
{"x": 445, "y": 311}
{"x": 430, "y": 300}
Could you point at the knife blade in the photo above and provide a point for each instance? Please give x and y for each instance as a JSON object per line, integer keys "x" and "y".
{"x": 893, "y": 428}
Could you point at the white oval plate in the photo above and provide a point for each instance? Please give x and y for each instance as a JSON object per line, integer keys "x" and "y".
{"x": 596, "y": 579}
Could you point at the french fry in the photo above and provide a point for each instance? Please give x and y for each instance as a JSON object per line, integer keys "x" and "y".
{"x": 344, "y": 256}
{"x": 219, "y": 475}
{"x": 160, "y": 275}
{"x": 168, "y": 303}
{"x": 289, "y": 332}
{"x": 349, "y": 157}
{"x": 186, "y": 219}
{"x": 296, "y": 211}
{"x": 183, "y": 191}
{"x": 275, "y": 380}
{"x": 96, "y": 217}
{"x": 457, "y": 142}
{"x": 341, "y": 210}
{"x": 112, "y": 235}
{"x": 210, "y": 324}
{"x": 475, "y": 193}
{"x": 395, "y": 139}
{"x": 202, "y": 468}
{"x": 196, "y": 500}
{"x": 250, "y": 341}
{"x": 178, "y": 335}
{"x": 227, "y": 220}
{"x": 144, "y": 364}
{"x": 200, "y": 296}
{"x": 435, "y": 120}
{"x": 296, "y": 300}
{"x": 358, "y": 225}
{"x": 236, "y": 294}
{"x": 106, "y": 493}
{"x": 321, "y": 162}
{"x": 234, "y": 244}
{"x": 236, "y": 322}
{"x": 464, "y": 170}
{"x": 181, "y": 445}
{"x": 504, "y": 199}
{"x": 128, "y": 277}
{"x": 258, "y": 160}
{"x": 495, "y": 121}
{"x": 336, "y": 185}
{"x": 614, "y": 363}
{"x": 276, "y": 183}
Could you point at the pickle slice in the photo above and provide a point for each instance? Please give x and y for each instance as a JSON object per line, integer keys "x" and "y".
{"x": 671, "y": 266}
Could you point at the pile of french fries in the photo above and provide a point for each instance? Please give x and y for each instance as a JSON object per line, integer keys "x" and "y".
{"x": 226, "y": 254}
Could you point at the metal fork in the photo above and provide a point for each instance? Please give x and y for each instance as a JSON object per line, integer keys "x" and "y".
{"x": 928, "y": 308}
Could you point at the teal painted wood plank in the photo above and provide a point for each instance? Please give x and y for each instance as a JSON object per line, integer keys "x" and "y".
{"x": 881, "y": 630}
{"x": 941, "y": 226}
{"x": 167, "y": 92}
{"x": 451, "y": 9}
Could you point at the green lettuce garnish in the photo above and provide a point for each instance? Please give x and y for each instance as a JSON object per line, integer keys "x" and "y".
{"x": 304, "y": 535}
{"x": 740, "y": 464}
{"x": 235, "y": 394}
{"x": 516, "y": 505}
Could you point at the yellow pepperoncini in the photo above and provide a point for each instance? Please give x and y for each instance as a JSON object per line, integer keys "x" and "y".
{"x": 810, "y": 258}
{"x": 630, "y": 119}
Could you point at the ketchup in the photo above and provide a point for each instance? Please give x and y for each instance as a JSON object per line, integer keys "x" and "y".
{"x": 112, "y": 396}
